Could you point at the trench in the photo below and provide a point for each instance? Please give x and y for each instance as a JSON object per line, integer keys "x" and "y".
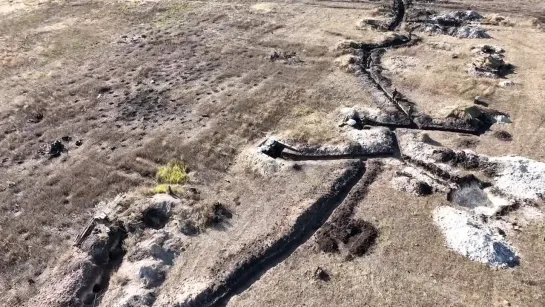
{"x": 340, "y": 197}
{"x": 306, "y": 225}
{"x": 373, "y": 80}
{"x": 399, "y": 10}
{"x": 343, "y": 194}
{"x": 351, "y": 186}
{"x": 325, "y": 157}
{"x": 106, "y": 259}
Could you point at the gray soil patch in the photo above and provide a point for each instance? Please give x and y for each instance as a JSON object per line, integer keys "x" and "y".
{"x": 469, "y": 194}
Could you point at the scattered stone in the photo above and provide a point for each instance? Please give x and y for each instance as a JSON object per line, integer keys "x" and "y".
{"x": 472, "y": 238}
{"x": 79, "y": 142}
{"x": 488, "y": 61}
{"x": 286, "y": 57}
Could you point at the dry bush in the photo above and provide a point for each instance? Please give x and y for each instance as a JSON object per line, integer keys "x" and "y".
{"x": 203, "y": 215}
{"x": 309, "y": 126}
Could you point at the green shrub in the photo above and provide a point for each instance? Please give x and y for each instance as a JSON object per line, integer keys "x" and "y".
{"x": 173, "y": 173}
{"x": 160, "y": 189}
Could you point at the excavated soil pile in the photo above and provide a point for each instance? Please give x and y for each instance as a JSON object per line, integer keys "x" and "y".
{"x": 488, "y": 61}
{"x": 461, "y": 24}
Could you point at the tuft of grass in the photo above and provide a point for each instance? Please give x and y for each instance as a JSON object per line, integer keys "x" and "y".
{"x": 160, "y": 189}
{"x": 175, "y": 172}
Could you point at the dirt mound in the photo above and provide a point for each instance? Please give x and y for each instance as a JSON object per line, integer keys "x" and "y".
{"x": 499, "y": 20}
{"x": 487, "y": 116}
{"x": 353, "y": 144}
{"x": 127, "y": 250}
{"x": 474, "y": 239}
{"x": 488, "y": 61}
{"x": 357, "y": 236}
{"x": 503, "y": 135}
{"x": 342, "y": 233}
{"x": 461, "y": 24}
{"x": 407, "y": 183}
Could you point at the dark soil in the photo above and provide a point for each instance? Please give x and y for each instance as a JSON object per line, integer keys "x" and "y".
{"x": 342, "y": 232}
{"x": 503, "y": 135}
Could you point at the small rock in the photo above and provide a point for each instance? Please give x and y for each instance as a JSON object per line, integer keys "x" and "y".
{"x": 351, "y": 122}
{"x": 321, "y": 274}
{"x": 502, "y": 119}
{"x": 480, "y": 101}
{"x": 503, "y": 135}
{"x": 36, "y": 118}
{"x": 104, "y": 89}
{"x": 506, "y": 83}
{"x": 56, "y": 149}
{"x": 79, "y": 143}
